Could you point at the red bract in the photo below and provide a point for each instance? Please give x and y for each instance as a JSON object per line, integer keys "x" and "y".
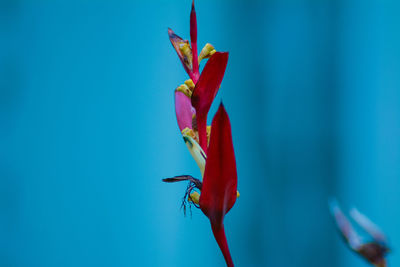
{"x": 205, "y": 91}
{"x": 218, "y": 194}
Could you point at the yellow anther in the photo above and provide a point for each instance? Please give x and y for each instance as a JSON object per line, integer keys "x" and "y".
{"x": 190, "y": 84}
{"x": 207, "y": 51}
{"x": 186, "y": 51}
{"x": 194, "y": 197}
{"x": 189, "y": 132}
{"x": 237, "y": 194}
{"x": 184, "y": 89}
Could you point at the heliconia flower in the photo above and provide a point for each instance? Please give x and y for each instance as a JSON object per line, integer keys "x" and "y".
{"x": 373, "y": 251}
{"x": 210, "y": 146}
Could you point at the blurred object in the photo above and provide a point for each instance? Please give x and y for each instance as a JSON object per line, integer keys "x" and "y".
{"x": 374, "y": 251}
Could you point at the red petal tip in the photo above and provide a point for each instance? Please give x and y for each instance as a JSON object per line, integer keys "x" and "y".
{"x": 193, "y": 40}
{"x": 193, "y": 25}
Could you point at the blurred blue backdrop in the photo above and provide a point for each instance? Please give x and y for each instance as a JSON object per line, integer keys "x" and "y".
{"x": 87, "y": 130}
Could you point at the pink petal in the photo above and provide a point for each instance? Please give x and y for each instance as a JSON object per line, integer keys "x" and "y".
{"x": 184, "y": 110}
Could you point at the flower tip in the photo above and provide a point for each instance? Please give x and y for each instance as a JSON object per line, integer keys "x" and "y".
{"x": 193, "y": 10}
{"x": 172, "y": 36}
{"x": 221, "y": 59}
{"x": 223, "y": 55}
{"x": 221, "y": 110}
{"x": 193, "y": 26}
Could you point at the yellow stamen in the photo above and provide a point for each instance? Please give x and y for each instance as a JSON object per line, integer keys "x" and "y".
{"x": 190, "y": 84}
{"x": 184, "y": 89}
{"x": 207, "y": 51}
{"x": 189, "y": 132}
{"x": 186, "y": 51}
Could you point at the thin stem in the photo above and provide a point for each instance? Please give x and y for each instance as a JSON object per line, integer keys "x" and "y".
{"x": 220, "y": 237}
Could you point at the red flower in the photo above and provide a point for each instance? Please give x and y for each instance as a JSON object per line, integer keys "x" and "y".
{"x": 215, "y": 155}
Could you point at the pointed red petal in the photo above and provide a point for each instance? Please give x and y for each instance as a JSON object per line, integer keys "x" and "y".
{"x": 218, "y": 194}
{"x": 184, "y": 110}
{"x": 176, "y": 42}
{"x": 206, "y": 90}
{"x": 193, "y": 40}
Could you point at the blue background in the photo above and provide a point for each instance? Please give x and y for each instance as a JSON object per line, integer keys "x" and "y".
{"x": 87, "y": 130}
